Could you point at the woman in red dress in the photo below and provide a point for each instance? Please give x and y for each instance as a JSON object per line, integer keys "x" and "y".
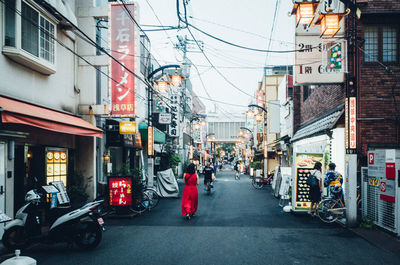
{"x": 190, "y": 197}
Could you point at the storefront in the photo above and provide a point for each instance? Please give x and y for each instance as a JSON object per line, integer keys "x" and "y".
{"x": 322, "y": 140}
{"x": 39, "y": 145}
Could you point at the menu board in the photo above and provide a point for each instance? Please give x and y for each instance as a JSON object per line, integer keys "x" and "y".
{"x": 120, "y": 191}
{"x": 304, "y": 165}
{"x": 56, "y": 165}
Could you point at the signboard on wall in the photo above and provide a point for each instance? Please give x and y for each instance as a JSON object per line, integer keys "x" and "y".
{"x": 352, "y": 123}
{"x": 311, "y": 66}
{"x": 122, "y": 34}
{"x": 56, "y": 165}
{"x": 127, "y": 127}
{"x": 174, "y": 110}
{"x": 164, "y": 118}
{"x": 120, "y": 191}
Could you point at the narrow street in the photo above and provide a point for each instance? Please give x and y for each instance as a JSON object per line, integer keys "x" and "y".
{"x": 236, "y": 224}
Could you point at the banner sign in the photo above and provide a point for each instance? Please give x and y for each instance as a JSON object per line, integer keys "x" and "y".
{"x": 150, "y": 141}
{"x": 120, "y": 191}
{"x": 352, "y": 122}
{"x": 127, "y": 127}
{"x": 164, "y": 118}
{"x": 122, "y": 45}
{"x": 174, "y": 109}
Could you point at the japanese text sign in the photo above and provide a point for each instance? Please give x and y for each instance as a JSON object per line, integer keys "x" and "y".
{"x": 120, "y": 189}
{"x": 352, "y": 123}
{"x": 122, "y": 42}
{"x": 127, "y": 128}
{"x": 174, "y": 110}
{"x": 150, "y": 141}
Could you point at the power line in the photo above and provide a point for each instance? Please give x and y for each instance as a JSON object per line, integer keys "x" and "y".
{"x": 231, "y": 43}
{"x": 272, "y": 30}
{"x": 240, "y": 30}
{"x": 205, "y": 56}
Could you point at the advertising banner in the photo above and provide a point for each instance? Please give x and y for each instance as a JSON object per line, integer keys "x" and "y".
{"x": 122, "y": 45}
{"x": 304, "y": 165}
{"x": 120, "y": 191}
{"x": 174, "y": 110}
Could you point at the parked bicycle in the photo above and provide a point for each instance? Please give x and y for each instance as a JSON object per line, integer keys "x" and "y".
{"x": 331, "y": 209}
{"x": 260, "y": 182}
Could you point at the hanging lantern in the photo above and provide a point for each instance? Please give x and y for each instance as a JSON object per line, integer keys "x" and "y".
{"x": 176, "y": 80}
{"x": 305, "y": 13}
{"x": 249, "y": 113}
{"x": 196, "y": 126}
{"x": 162, "y": 86}
{"x": 330, "y": 24}
{"x": 259, "y": 117}
{"x": 203, "y": 123}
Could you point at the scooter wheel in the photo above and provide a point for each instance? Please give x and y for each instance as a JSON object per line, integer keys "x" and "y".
{"x": 89, "y": 235}
{"x": 15, "y": 238}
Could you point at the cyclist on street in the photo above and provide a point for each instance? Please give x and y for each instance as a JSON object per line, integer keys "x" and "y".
{"x": 237, "y": 169}
{"x": 208, "y": 173}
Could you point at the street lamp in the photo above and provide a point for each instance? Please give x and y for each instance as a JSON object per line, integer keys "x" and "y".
{"x": 304, "y": 11}
{"x": 264, "y": 137}
{"x": 150, "y": 160}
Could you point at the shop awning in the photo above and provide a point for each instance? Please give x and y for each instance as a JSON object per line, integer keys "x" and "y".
{"x": 18, "y": 112}
{"x": 322, "y": 124}
{"x": 159, "y": 136}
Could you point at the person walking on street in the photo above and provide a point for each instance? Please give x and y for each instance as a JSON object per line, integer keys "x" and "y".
{"x": 314, "y": 180}
{"x": 208, "y": 175}
{"x": 237, "y": 170}
{"x": 190, "y": 196}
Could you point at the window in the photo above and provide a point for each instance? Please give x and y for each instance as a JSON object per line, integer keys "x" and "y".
{"x": 31, "y": 33}
{"x": 371, "y": 44}
{"x": 381, "y": 43}
{"x": 10, "y": 23}
{"x": 29, "y": 36}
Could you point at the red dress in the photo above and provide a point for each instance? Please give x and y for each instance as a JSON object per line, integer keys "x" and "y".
{"x": 190, "y": 197}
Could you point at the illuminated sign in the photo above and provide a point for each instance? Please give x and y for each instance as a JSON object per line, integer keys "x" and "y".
{"x": 352, "y": 122}
{"x": 120, "y": 189}
{"x": 122, "y": 45}
{"x": 127, "y": 128}
{"x": 346, "y": 108}
{"x": 56, "y": 165}
{"x": 150, "y": 141}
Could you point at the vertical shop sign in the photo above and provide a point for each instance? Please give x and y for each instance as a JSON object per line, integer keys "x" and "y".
{"x": 120, "y": 191}
{"x": 150, "y": 141}
{"x": 352, "y": 123}
{"x": 346, "y": 125}
{"x": 260, "y": 98}
{"x": 122, "y": 45}
{"x": 174, "y": 126}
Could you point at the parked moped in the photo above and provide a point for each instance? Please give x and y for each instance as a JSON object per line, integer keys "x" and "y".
{"x": 83, "y": 226}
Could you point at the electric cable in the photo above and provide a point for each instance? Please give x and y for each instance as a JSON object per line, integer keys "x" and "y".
{"x": 231, "y": 43}
{"x": 272, "y": 30}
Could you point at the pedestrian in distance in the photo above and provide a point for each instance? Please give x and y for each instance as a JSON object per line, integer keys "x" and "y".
{"x": 314, "y": 180}
{"x": 190, "y": 196}
{"x": 334, "y": 181}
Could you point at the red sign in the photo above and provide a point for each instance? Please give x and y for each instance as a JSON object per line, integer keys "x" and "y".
{"x": 390, "y": 171}
{"x": 371, "y": 159}
{"x": 120, "y": 189}
{"x": 150, "y": 141}
{"x": 352, "y": 125}
{"x": 122, "y": 45}
{"x": 260, "y": 98}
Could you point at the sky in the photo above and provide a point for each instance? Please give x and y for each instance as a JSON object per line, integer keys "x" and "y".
{"x": 246, "y": 23}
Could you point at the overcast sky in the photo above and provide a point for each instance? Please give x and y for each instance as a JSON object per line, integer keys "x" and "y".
{"x": 247, "y": 23}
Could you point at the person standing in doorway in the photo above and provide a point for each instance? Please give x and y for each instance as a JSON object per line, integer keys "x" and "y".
{"x": 315, "y": 187}
{"x": 190, "y": 196}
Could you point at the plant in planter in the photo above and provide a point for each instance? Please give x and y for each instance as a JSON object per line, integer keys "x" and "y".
{"x": 76, "y": 188}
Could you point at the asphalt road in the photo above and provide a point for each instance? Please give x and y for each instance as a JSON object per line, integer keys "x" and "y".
{"x": 236, "y": 224}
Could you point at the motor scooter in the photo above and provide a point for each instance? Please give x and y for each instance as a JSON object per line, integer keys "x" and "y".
{"x": 83, "y": 226}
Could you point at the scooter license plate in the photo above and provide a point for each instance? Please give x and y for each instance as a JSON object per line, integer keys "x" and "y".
{"x": 100, "y": 221}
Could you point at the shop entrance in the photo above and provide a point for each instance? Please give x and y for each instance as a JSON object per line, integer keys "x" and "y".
{"x": 2, "y": 182}
{"x": 28, "y": 170}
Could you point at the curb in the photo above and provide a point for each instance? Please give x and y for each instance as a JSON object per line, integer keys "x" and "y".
{"x": 379, "y": 239}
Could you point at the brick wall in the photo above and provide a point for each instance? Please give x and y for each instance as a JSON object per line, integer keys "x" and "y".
{"x": 378, "y": 91}
{"x": 323, "y": 99}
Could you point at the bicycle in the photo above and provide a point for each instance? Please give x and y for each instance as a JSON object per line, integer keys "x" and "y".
{"x": 330, "y": 209}
{"x": 153, "y": 195}
{"x": 260, "y": 182}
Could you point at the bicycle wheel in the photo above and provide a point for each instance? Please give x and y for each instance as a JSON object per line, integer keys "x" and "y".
{"x": 329, "y": 210}
{"x": 140, "y": 204}
{"x": 257, "y": 184}
{"x": 153, "y": 197}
